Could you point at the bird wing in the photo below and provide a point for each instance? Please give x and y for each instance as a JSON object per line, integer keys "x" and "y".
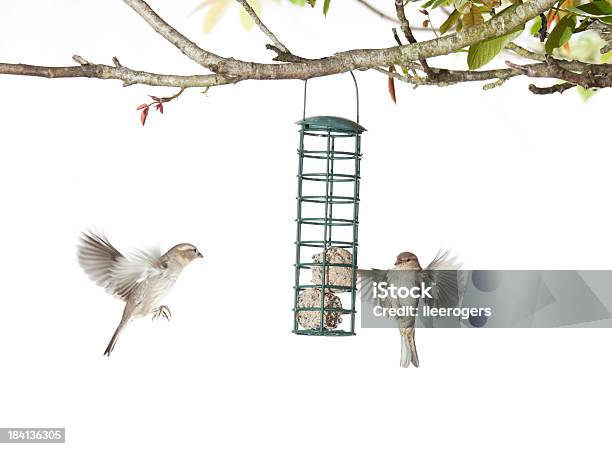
{"x": 367, "y": 279}
{"x": 395, "y": 277}
{"x": 107, "y": 267}
{"x": 447, "y": 279}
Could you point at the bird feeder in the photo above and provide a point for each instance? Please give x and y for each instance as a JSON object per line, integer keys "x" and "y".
{"x": 327, "y": 223}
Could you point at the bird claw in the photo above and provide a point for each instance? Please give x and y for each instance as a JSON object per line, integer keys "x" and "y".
{"x": 161, "y": 311}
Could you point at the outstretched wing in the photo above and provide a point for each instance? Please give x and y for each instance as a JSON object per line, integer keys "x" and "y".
{"x": 447, "y": 279}
{"x": 111, "y": 270}
{"x": 398, "y": 278}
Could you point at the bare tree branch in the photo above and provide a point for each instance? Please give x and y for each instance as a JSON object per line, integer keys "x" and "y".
{"x": 128, "y": 76}
{"x": 405, "y": 26}
{"x": 523, "y": 52}
{"x": 229, "y": 70}
{"x": 347, "y": 60}
{"x": 557, "y": 88}
{"x": 277, "y": 43}
{"x": 187, "y": 47}
{"x": 591, "y": 75}
{"x": 537, "y": 70}
{"x": 378, "y": 12}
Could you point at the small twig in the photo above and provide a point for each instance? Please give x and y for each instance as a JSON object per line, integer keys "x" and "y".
{"x": 157, "y": 103}
{"x": 543, "y": 33}
{"x": 523, "y": 52}
{"x": 80, "y": 60}
{"x": 251, "y": 12}
{"x": 282, "y": 56}
{"x": 405, "y": 26}
{"x": 557, "y": 88}
{"x": 399, "y": 42}
{"x": 378, "y": 12}
{"x": 591, "y": 76}
{"x": 494, "y": 84}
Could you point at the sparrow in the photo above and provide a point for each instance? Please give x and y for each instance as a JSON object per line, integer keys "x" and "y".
{"x": 445, "y": 295}
{"x": 142, "y": 279}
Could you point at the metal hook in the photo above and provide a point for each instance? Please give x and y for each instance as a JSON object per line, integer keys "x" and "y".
{"x": 356, "y": 95}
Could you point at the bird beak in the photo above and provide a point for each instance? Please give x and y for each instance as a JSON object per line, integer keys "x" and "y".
{"x": 199, "y": 255}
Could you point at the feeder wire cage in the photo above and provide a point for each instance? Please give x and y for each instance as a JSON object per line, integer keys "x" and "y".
{"x": 334, "y": 270}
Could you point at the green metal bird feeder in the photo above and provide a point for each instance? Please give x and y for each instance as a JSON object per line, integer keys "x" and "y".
{"x": 327, "y": 224}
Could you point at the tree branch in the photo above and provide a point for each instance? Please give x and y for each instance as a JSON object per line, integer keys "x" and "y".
{"x": 538, "y": 70}
{"x": 378, "y": 12}
{"x": 523, "y": 52}
{"x": 347, "y": 60}
{"x": 229, "y": 70}
{"x": 277, "y": 43}
{"x": 187, "y": 47}
{"x": 405, "y": 26}
{"x": 101, "y": 71}
{"x": 587, "y": 75}
{"x": 560, "y": 88}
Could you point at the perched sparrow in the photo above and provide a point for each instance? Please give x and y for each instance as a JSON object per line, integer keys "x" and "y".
{"x": 444, "y": 295}
{"x": 142, "y": 280}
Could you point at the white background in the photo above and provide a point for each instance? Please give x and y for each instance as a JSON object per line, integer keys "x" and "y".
{"x": 504, "y": 178}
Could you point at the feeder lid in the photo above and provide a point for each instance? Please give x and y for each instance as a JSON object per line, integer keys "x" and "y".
{"x": 328, "y": 122}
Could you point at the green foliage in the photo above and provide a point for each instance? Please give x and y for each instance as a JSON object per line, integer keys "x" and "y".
{"x": 483, "y": 52}
{"x": 215, "y": 9}
{"x": 585, "y": 94}
{"x": 599, "y": 10}
{"x": 535, "y": 26}
{"x": 326, "y": 6}
{"x": 313, "y": 3}
{"x": 450, "y": 21}
{"x": 561, "y": 33}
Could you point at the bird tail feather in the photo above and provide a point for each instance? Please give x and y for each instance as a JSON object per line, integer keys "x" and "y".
{"x": 113, "y": 340}
{"x": 409, "y": 351}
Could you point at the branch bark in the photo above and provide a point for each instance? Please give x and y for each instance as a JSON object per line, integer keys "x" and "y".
{"x": 378, "y": 12}
{"x": 229, "y": 70}
{"x": 265, "y": 30}
{"x": 347, "y": 60}
{"x": 537, "y": 70}
{"x": 128, "y": 76}
{"x": 588, "y": 76}
{"x": 405, "y": 26}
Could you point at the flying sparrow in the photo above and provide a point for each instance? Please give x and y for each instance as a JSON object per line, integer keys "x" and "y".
{"x": 444, "y": 295}
{"x": 142, "y": 280}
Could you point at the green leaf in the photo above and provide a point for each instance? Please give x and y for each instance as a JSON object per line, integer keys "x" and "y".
{"x": 449, "y": 22}
{"x": 435, "y": 3}
{"x": 561, "y": 33}
{"x": 326, "y": 7}
{"x": 483, "y": 52}
{"x": 535, "y": 26}
{"x": 599, "y": 8}
{"x": 585, "y": 93}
